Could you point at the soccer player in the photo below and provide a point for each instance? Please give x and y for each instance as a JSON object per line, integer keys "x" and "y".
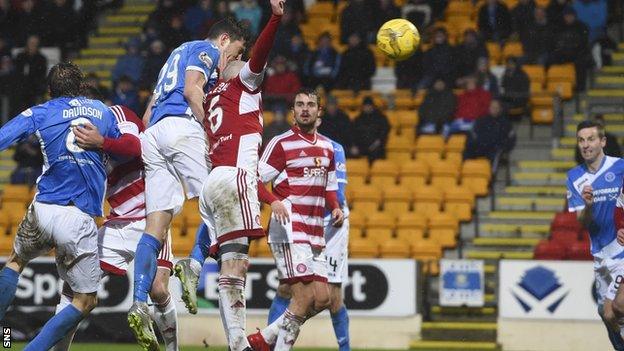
{"x": 69, "y": 196}
{"x": 336, "y": 244}
{"x": 174, "y": 151}
{"x": 593, "y": 188}
{"x": 229, "y": 199}
{"x": 120, "y": 233}
{"x": 300, "y": 163}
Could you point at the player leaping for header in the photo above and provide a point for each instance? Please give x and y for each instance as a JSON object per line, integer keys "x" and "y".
{"x": 229, "y": 200}
{"x": 174, "y": 152}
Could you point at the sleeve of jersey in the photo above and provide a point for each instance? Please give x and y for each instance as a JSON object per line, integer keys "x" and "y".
{"x": 265, "y": 195}
{"x": 332, "y": 180}
{"x": 272, "y": 162}
{"x": 17, "y": 128}
{"x": 575, "y": 200}
{"x": 204, "y": 59}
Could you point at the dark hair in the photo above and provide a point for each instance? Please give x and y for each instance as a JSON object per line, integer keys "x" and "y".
{"x": 65, "y": 79}
{"x": 91, "y": 92}
{"x": 592, "y": 124}
{"x": 308, "y": 92}
{"x": 228, "y": 26}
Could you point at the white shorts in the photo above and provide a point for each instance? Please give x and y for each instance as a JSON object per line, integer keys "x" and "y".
{"x": 609, "y": 274}
{"x": 299, "y": 263}
{"x": 72, "y": 233}
{"x": 231, "y": 194}
{"x": 117, "y": 243}
{"x": 336, "y": 250}
{"x": 176, "y": 163}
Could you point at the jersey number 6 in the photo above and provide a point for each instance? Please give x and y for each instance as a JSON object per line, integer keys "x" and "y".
{"x": 70, "y": 141}
{"x": 216, "y": 115}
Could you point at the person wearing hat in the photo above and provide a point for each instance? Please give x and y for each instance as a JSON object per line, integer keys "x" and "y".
{"x": 130, "y": 64}
{"x": 370, "y": 132}
{"x": 336, "y": 124}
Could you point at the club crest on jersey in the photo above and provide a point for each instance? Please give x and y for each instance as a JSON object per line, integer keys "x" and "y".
{"x": 609, "y": 177}
{"x": 318, "y": 162}
{"x": 301, "y": 268}
{"x": 203, "y": 57}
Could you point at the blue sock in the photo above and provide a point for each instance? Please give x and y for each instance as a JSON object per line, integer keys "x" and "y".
{"x": 145, "y": 266}
{"x": 278, "y": 307}
{"x": 202, "y": 244}
{"x": 8, "y": 286}
{"x": 340, "y": 321}
{"x": 55, "y": 329}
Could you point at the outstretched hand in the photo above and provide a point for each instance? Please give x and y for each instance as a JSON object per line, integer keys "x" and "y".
{"x": 277, "y": 6}
{"x": 88, "y": 136}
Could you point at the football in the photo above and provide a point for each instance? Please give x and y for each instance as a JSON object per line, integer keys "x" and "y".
{"x": 398, "y": 39}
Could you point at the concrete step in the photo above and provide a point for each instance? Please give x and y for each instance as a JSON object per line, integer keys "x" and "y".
{"x": 564, "y": 154}
{"x": 502, "y": 242}
{"x": 101, "y": 53}
{"x": 529, "y": 203}
{"x": 546, "y": 165}
{"x": 130, "y": 19}
{"x": 100, "y": 42}
{"x": 606, "y": 82}
{"x": 137, "y": 9}
{"x": 122, "y": 31}
{"x": 539, "y": 178}
{"x": 453, "y": 345}
{"x": 537, "y": 190}
{"x": 522, "y": 215}
{"x": 513, "y": 230}
{"x": 498, "y": 255}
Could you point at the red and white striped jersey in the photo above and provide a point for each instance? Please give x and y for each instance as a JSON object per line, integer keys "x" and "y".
{"x": 234, "y": 121}
{"x": 302, "y": 169}
{"x": 125, "y": 191}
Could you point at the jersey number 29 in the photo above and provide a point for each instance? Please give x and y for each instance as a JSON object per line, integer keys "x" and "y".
{"x": 168, "y": 77}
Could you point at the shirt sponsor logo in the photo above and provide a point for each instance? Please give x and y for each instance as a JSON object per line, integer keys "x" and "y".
{"x": 203, "y": 57}
{"x": 609, "y": 177}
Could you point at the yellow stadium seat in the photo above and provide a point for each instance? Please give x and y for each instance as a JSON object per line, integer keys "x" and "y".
{"x": 396, "y": 200}
{"x": 16, "y": 193}
{"x": 192, "y": 219}
{"x": 536, "y": 73}
{"x": 455, "y": 143}
{"x": 454, "y": 157}
{"x": 459, "y": 201}
{"x": 443, "y": 229}
{"x": 536, "y": 87}
{"x": 267, "y": 117}
{"x": 363, "y": 248}
{"x": 463, "y": 8}
{"x": 340, "y": 93}
{"x": 427, "y": 200}
{"x": 429, "y": 148}
{"x": 384, "y": 173}
{"x": 399, "y": 150}
{"x": 366, "y": 199}
{"x": 512, "y": 49}
{"x": 379, "y": 235}
{"x": 408, "y": 121}
{"x": 15, "y": 214}
{"x": 404, "y": 103}
{"x": 262, "y": 248}
{"x": 444, "y": 174}
{"x": 542, "y": 115}
{"x": 381, "y": 220}
{"x": 265, "y": 216}
{"x": 356, "y": 181}
{"x": 544, "y": 99}
{"x": 429, "y": 253}
{"x": 357, "y": 167}
{"x": 494, "y": 51}
{"x": 412, "y": 220}
{"x": 394, "y": 249}
{"x": 410, "y": 235}
{"x": 561, "y": 88}
{"x": 357, "y": 220}
{"x": 184, "y": 241}
{"x": 5, "y": 220}
{"x": 6, "y": 241}
{"x": 355, "y": 232}
{"x": 414, "y": 174}
{"x": 561, "y": 73}
{"x": 476, "y": 176}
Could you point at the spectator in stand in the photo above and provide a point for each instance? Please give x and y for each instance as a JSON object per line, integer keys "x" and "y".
{"x": 358, "y": 17}
{"x": 437, "y": 108}
{"x": 281, "y": 83}
{"x": 162, "y": 15}
{"x": 196, "y": 16}
{"x": 60, "y": 25}
{"x": 485, "y": 78}
{"x": 468, "y": 52}
{"x": 250, "y": 12}
{"x": 554, "y": 11}
{"x": 522, "y": 15}
{"x": 222, "y": 10}
{"x": 490, "y": 134}
{"x": 572, "y": 46}
{"x": 130, "y": 64}
{"x": 494, "y": 21}
{"x": 277, "y": 126}
{"x": 516, "y": 85}
{"x": 149, "y": 35}
{"x": 357, "y": 66}
{"x": 153, "y": 63}
{"x": 126, "y": 94}
{"x": 298, "y": 53}
{"x": 29, "y": 162}
{"x": 612, "y": 147}
{"x": 472, "y": 104}
{"x": 5, "y": 50}
{"x": 336, "y": 124}
{"x": 7, "y": 19}
{"x": 409, "y": 72}
{"x": 537, "y": 39}
{"x": 370, "y": 132}
{"x": 8, "y": 81}
{"x": 439, "y": 61}
{"x": 28, "y": 22}
{"x": 323, "y": 64}
{"x": 593, "y": 13}
{"x": 287, "y": 30}
{"x": 387, "y": 11}
{"x": 176, "y": 34}
{"x": 297, "y": 7}
{"x": 31, "y": 67}
{"x": 93, "y": 81}
{"x": 418, "y": 12}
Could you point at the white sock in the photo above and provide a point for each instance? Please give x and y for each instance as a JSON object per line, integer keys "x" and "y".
{"x": 288, "y": 331}
{"x": 166, "y": 320}
{"x": 196, "y": 267}
{"x": 65, "y": 343}
{"x": 270, "y": 332}
{"x": 233, "y": 307}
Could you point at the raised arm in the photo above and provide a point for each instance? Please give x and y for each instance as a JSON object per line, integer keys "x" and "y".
{"x": 194, "y": 92}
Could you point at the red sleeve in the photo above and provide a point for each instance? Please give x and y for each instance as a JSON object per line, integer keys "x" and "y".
{"x": 331, "y": 200}
{"x": 263, "y": 45}
{"x": 126, "y": 145}
{"x": 264, "y": 195}
{"x": 618, "y": 216}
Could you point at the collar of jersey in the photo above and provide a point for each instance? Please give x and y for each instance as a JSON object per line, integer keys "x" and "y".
{"x": 604, "y": 159}
{"x": 300, "y": 135}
